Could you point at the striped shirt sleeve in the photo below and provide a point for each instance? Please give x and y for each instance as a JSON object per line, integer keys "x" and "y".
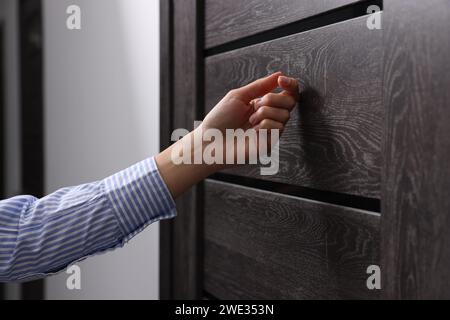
{"x": 39, "y": 237}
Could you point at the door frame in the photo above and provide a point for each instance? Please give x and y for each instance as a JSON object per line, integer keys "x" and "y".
{"x": 415, "y": 224}
{"x": 181, "y": 104}
{"x": 2, "y": 131}
{"x": 32, "y": 113}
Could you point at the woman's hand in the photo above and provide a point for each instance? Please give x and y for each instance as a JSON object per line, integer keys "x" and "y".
{"x": 253, "y": 106}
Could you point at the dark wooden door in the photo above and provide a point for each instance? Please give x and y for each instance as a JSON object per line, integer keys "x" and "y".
{"x": 360, "y": 160}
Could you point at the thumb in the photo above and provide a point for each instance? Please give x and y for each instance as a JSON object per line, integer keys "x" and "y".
{"x": 258, "y": 88}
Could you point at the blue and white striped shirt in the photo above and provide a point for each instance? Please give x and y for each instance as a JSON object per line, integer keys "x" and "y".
{"x": 39, "y": 237}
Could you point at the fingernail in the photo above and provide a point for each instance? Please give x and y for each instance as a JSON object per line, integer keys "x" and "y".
{"x": 285, "y": 81}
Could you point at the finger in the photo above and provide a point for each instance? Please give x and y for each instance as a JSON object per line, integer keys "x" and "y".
{"x": 276, "y": 100}
{"x": 265, "y": 112}
{"x": 257, "y": 88}
{"x": 253, "y": 103}
{"x": 290, "y": 86}
{"x": 270, "y": 124}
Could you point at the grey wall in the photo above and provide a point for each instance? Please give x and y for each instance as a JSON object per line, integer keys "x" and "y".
{"x": 102, "y": 115}
{"x": 9, "y": 19}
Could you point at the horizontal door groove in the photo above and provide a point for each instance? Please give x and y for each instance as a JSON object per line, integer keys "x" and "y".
{"x": 321, "y": 20}
{"x": 341, "y": 199}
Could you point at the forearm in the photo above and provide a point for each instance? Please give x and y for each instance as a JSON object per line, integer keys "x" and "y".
{"x": 42, "y": 236}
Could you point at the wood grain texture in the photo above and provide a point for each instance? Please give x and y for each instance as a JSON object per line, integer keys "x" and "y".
{"x": 233, "y": 19}
{"x": 333, "y": 139}
{"x": 416, "y": 174}
{"x": 187, "y": 227}
{"x": 262, "y": 245}
{"x": 166, "y": 72}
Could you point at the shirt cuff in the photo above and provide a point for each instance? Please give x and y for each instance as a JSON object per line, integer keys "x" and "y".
{"x": 139, "y": 197}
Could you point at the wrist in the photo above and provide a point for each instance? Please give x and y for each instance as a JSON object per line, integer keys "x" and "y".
{"x": 181, "y": 175}
{"x": 207, "y": 151}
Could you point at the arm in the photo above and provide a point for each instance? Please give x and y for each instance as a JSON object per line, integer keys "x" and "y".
{"x": 42, "y": 236}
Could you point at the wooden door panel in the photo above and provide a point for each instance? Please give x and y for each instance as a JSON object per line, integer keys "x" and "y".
{"x": 333, "y": 139}
{"x": 265, "y": 245}
{"x": 233, "y": 19}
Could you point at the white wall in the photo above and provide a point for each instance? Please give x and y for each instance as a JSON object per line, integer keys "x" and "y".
{"x": 9, "y": 19}
{"x": 102, "y": 115}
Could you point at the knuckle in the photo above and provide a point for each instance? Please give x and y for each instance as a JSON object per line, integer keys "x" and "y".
{"x": 232, "y": 93}
{"x": 263, "y": 111}
{"x": 269, "y": 98}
